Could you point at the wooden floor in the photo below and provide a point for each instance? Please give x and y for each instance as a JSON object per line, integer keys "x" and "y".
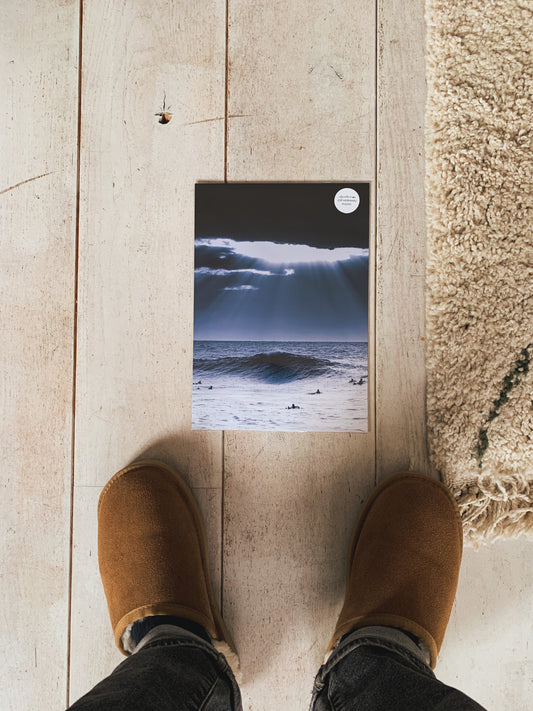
{"x": 96, "y": 201}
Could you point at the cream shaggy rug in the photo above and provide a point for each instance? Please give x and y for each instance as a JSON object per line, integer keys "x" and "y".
{"x": 479, "y": 189}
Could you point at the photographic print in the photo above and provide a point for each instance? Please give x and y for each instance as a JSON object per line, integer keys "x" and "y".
{"x": 281, "y": 307}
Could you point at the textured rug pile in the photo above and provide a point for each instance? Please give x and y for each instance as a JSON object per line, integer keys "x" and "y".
{"x": 479, "y": 191}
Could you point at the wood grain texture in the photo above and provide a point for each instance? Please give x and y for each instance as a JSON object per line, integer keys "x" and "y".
{"x": 401, "y": 240}
{"x": 38, "y": 134}
{"x": 137, "y": 181}
{"x": 136, "y": 227}
{"x": 302, "y": 84}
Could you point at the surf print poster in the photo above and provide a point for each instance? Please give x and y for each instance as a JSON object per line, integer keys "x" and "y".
{"x": 281, "y": 307}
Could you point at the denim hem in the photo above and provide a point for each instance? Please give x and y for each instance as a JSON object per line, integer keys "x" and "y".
{"x": 387, "y": 638}
{"x": 172, "y": 636}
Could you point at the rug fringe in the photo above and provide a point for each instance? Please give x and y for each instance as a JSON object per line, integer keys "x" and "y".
{"x": 495, "y": 508}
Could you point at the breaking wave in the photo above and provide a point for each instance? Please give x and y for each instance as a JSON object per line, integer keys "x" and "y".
{"x": 276, "y": 367}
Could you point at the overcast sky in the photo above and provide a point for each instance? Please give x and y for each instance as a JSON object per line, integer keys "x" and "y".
{"x": 280, "y": 262}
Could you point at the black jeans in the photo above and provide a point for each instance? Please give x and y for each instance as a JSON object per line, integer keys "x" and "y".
{"x": 372, "y": 669}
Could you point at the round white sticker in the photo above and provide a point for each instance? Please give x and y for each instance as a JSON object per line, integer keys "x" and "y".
{"x": 347, "y": 200}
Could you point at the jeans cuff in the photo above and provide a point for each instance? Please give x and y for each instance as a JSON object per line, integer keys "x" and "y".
{"x": 388, "y": 638}
{"x": 166, "y": 635}
{"x": 381, "y": 635}
{"x": 171, "y": 633}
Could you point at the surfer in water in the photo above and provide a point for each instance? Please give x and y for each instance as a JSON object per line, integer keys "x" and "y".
{"x": 293, "y": 407}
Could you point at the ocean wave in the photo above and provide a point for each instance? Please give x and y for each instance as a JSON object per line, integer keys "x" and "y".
{"x": 277, "y": 367}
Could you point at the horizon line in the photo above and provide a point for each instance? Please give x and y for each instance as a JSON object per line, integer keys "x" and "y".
{"x": 274, "y": 340}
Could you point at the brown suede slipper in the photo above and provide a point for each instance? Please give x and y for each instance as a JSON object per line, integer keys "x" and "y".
{"x": 152, "y": 551}
{"x": 404, "y": 561}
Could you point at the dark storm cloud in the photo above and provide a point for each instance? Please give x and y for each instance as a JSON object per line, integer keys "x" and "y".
{"x": 299, "y": 213}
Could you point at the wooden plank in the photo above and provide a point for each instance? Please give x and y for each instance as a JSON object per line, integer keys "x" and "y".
{"x": 401, "y": 240}
{"x": 301, "y": 88}
{"x": 290, "y": 505}
{"x": 134, "y": 371}
{"x": 38, "y": 134}
{"x": 490, "y": 667}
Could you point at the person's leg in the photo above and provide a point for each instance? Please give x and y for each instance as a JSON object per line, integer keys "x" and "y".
{"x": 171, "y": 670}
{"x": 152, "y": 553}
{"x": 379, "y": 669}
{"x": 403, "y": 571}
